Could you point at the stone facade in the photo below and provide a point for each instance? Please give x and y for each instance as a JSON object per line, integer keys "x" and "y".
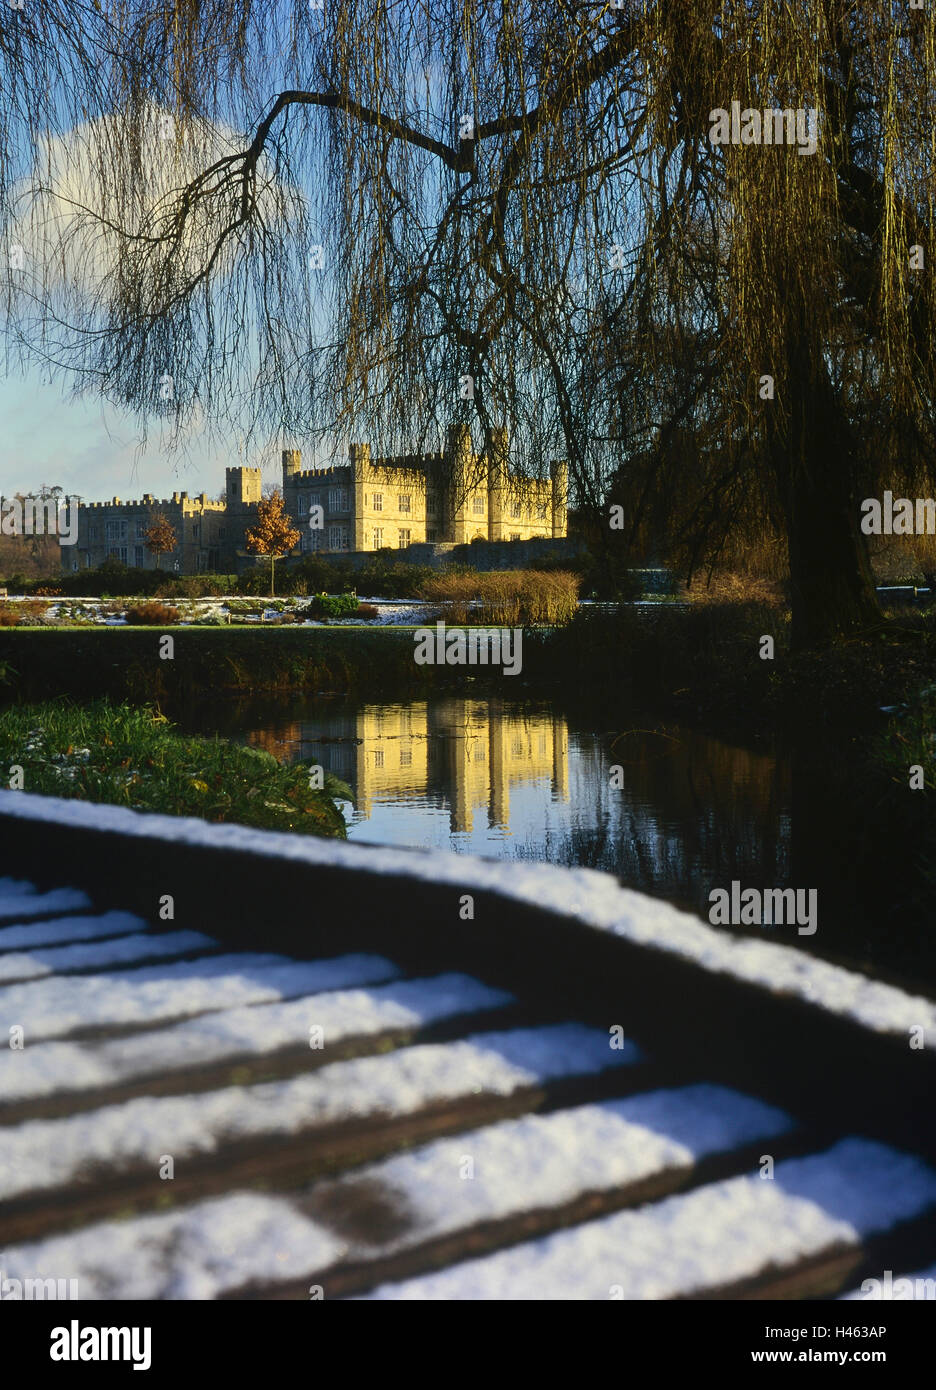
{"x": 374, "y": 504}
{"x": 366, "y": 505}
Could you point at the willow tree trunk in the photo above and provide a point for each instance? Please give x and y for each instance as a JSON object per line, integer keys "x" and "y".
{"x": 831, "y": 581}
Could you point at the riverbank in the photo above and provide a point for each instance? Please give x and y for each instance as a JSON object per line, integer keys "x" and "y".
{"x": 135, "y": 757}
{"x": 727, "y": 666}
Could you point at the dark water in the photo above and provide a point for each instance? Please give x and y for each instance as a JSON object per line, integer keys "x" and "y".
{"x": 684, "y": 813}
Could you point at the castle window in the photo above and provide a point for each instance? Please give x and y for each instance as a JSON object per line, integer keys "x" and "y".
{"x": 406, "y": 757}
{"x": 93, "y": 533}
{"x": 338, "y": 499}
{"x": 315, "y": 499}
{"x": 477, "y": 505}
{"x": 378, "y": 537}
{"x": 431, "y": 535}
{"x": 303, "y": 502}
{"x": 405, "y": 503}
{"x": 378, "y": 757}
{"x": 515, "y": 535}
{"x": 196, "y": 530}
{"x": 140, "y": 528}
{"x": 119, "y": 552}
{"x": 515, "y": 509}
{"x": 541, "y": 511}
{"x": 338, "y": 538}
{"x": 378, "y": 501}
{"x": 432, "y": 504}
{"x": 403, "y": 539}
{"x": 116, "y": 530}
{"x": 138, "y": 557}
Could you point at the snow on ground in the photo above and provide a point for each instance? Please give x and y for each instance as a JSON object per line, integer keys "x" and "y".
{"x": 121, "y": 950}
{"x": 587, "y": 895}
{"x": 53, "y": 1008}
{"x": 519, "y": 1165}
{"x": 42, "y": 1154}
{"x": 61, "y": 929}
{"x": 705, "y": 1239}
{"x": 254, "y": 1030}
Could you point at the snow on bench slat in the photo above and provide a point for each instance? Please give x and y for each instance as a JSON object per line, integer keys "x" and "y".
{"x": 537, "y": 1161}
{"x": 193, "y": 1253}
{"x": 705, "y": 1239}
{"x": 54, "y": 1007}
{"x": 256, "y": 1029}
{"x": 588, "y": 895}
{"x": 550, "y": 1160}
{"x": 888, "y": 1286}
{"x": 39, "y": 1154}
{"x": 58, "y": 930}
{"x": 121, "y": 950}
{"x": 21, "y": 899}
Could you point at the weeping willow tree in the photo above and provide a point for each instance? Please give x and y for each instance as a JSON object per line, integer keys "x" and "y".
{"x": 377, "y": 219}
{"x": 782, "y": 317}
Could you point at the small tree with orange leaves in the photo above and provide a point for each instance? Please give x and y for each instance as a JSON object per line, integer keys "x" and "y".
{"x": 160, "y": 537}
{"x": 274, "y": 533}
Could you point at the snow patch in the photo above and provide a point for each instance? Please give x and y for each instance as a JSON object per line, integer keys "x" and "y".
{"x": 18, "y": 965}
{"x": 705, "y": 1239}
{"x": 53, "y": 1008}
{"x": 254, "y": 1030}
{"x": 194, "y": 1253}
{"x": 59, "y": 929}
{"x": 42, "y": 1154}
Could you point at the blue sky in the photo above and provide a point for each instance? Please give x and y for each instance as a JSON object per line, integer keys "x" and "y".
{"x": 88, "y": 447}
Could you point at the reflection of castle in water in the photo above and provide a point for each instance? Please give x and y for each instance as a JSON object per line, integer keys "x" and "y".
{"x": 464, "y": 754}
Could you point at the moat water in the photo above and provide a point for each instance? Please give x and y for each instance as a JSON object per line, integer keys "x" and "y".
{"x": 671, "y": 811}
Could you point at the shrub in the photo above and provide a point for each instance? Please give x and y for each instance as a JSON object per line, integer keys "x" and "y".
{"x": 509, "y": 597}
{"x": 47, "y": 591}
{"x": 152, "y": 615}
{"x": 8, "y": 617}
{"x": 367, "y": 611}
{"x": 327, "y": 607}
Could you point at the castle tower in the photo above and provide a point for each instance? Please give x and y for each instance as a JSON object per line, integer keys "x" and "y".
{"x": 559, "y": 473}
{"x": 242, "y": 487}
{"x": 292, "y": 464}
{"x": 359, "y": 458}
{"x": 498, "y": 480}
{"x": 459, "y": 459}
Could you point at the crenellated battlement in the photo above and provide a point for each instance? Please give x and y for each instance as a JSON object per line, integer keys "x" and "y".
{"x": 451, "y": 496}
{"x": 309, "y": 477}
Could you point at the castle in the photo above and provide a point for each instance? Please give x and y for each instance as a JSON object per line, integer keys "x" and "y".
{"x": 367, "y": 504}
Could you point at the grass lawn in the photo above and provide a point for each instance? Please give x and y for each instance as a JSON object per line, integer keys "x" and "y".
{"x": 135, "y": 757}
